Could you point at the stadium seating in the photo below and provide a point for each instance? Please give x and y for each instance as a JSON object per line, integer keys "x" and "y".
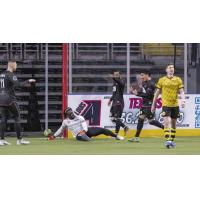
{"x": 92, "y": 63}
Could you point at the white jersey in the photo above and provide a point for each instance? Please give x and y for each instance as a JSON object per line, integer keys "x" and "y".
{"x": 75, "y": 125}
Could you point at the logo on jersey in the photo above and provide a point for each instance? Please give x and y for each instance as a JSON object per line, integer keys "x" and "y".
{"x": 14, "y": 78}
{"x": 90, "y": 110}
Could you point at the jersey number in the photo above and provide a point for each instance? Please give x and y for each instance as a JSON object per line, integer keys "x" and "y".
{"x": 2, "y": 83}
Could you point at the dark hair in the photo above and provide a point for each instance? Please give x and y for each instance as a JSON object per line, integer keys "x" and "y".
{"x": 116, "y": 71}
{"x": 169, "y": 64}
{"x": 145, "y": 71}
{"x": 67, "y": 111}
{"x": 12, "y": 60}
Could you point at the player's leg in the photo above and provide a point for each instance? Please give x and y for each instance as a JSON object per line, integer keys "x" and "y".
{"x": 114, "y": 118}
{"x": 4, "y": 113}
{"x": 156, "y": 123}
{"x": 3, "y": 122}
{"x": 167, "y": 127}
{"x": 152, "y": 121}
{"x": 174, "y": 115}
{"x": 173, "y": 129}
{"x": 96, "y": 131}
{"x": 83, "y": 137}
{"x": 117, "y": 114}
{"x": 120, "y": 111}
{"x": 14, "y": 109}
{"x": 140, "y": 124}
{"x": 167, "y": 112}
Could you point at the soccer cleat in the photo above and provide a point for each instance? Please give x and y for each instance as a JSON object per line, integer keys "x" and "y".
{"x": 118, "y": 137}
{"x": 134, "y": 139}
{"x": 4, "y": 142}
{"x": 173, "y": 145}
{"x": 126, "y": 128}
{"x": 170, "y": 145}
{"x": 22, "y": 142}
{"x": 51, "y": 137}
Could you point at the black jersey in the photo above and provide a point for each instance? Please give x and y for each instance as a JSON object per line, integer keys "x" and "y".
{"x": 8, "y": 83}
{"x": 118, "y": 90}
{"x": 147, "y": 93}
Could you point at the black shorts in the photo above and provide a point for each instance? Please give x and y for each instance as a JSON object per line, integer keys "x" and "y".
{"x": 116, "y": 110}
{"x": 5, "y": 99}
{"x": 146, "y": 111}
{"x": 172, "y": 112}
{"x": 12, "y": 109}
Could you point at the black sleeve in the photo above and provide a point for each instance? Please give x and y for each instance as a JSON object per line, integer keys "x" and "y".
{"x": 119, "y": 81}
{"x": 111, "y": 98}
{"x": 16, "y": 82}
{"x": 149, "y": 92}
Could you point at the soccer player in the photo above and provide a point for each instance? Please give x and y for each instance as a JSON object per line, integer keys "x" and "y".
{"x": 8, "y": 102}
{"x": 169, "y": 86}
{"x": 147, "y": 94}
{"x": 78, "y": 126}
{"x": 117, "y": 101}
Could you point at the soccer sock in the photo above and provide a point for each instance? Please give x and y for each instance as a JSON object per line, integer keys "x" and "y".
{"x": 167, "y": 134}
{"x": 156, "y": 123}
{"x": 117, "y": 128}
{"x": 173, "y": 134}
{"x": 139, "y": 127}
{"x": 109, "y": 133}
{"x": 3, "y": 128}
{"x": 119, "y": 122}
{"x": 118, "y": 125}
{"x": 18, "y": 128}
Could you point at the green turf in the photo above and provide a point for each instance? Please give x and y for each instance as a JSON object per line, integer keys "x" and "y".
{"x": 108, "y": 146}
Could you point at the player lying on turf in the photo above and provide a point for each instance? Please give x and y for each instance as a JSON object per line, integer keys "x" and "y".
{"x": 78, "y": 126}
{"x": 169, "y": 86}
{"x": 146, "y": 92}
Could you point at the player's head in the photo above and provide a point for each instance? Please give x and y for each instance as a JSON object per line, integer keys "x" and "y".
{"x": 116, "y": 74}
{"x": 145, "y": 75}
{"x": 68, "y": 113}
{"x": 170, "y": 69}
{"x": 12, "y": 65}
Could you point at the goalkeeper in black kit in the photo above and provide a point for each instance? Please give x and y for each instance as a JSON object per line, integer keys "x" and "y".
{"x": 8, "y": 102}
{"x": 117, "y": 101}
{"x": 147, "y": 93}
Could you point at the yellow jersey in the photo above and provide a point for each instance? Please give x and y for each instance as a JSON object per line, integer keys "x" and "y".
{"x": 169, "y": 88}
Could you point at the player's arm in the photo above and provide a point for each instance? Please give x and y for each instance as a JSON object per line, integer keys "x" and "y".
{"x": 17, "y": 83}
{"x": 119, "y": 81}
{"x": 157, "y": 93}
{"x": 110, "y": 100}
{"x": 60, "y": 130}
{"x": 182, "y": 95}
{"x": 146, "y": 94}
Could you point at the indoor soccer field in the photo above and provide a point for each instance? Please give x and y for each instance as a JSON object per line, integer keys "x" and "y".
{"x": 106, "y": 146}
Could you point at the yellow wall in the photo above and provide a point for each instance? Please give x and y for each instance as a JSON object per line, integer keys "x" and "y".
{"x": 157, "y": 133}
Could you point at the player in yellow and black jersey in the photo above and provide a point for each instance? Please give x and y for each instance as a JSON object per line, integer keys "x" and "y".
{"x": 169, "y": 87}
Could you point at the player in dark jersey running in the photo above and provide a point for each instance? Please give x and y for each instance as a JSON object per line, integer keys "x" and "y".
{"x": 117, "y": 101}
{"x": 8, "y": 102}
{"x": 147, "y": 94}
